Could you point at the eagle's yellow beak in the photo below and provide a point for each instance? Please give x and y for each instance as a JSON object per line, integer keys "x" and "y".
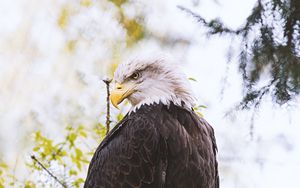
{"x": 121, "y": 92}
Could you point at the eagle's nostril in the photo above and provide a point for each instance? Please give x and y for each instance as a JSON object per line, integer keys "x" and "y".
{"x": 119, "y": 86}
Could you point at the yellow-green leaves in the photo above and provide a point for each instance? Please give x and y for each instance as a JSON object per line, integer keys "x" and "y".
{"x": 192, "y": 79}
{"x": 71, "y": 138}
{"x": 78, "y": 182}
{"x": 69, "y": 153}
{"x": 7, "y": 178}
{"x": 134, "y": 30}
{"x": 198, "y": 109}
{"x": 78, "y": 158}
{"x": 70, "y": 46}
{"x": 45, "y": 147}
{"x": 63, "y": 17}
{"x": 100, "y": 130}
{"x": 81, "y": 131}
{"x": 86, "y": 3}
{"x": 30, "y": 184}
{"x": 118, "y": 3}
{"x": 3, "y": 168}
{"x": 120, "y": 116}
{"x": 73, "y": 172}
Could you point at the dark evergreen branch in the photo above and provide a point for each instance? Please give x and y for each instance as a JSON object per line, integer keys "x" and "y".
{"x": 199, "y": 18}
{"x": 270, "y": 39}
{"x": 215, "y": 26}
{"x": 107, "y": 82}
{"x": 48, "y": 171}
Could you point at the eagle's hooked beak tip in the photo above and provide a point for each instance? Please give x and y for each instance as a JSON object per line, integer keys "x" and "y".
{"x": 114, "y": 98}
{"x": 118, "y": 94}
{"x": 113, "y": 102}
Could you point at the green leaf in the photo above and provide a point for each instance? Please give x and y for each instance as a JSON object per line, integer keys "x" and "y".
{"x": 83, "y": 134}
{"x": 192, "y": 79}
{"x": 86, "y": 3}
{"x": 135, "y": 30}
{"x": 118, "y": 3}
{"x": 78, "y": 153}
{"x": 29, "y": 184}
{"x": 78, "y": 182}
{"x": 73, "y": 172}
{"x": 3, "y": 165}
{"x": 120, "y": 116}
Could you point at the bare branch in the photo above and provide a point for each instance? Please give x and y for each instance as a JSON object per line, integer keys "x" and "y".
{"x": 44, "y": 168}
{"x": 107, "y": 82}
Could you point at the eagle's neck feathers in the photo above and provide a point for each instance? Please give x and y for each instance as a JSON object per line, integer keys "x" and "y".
{"x": 177, "y": 93}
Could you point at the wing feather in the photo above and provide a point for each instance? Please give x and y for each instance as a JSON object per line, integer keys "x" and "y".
{"x": 130, "y": 156}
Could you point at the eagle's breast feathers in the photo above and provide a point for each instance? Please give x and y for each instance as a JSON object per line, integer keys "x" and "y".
{"x": 157, "y": 146}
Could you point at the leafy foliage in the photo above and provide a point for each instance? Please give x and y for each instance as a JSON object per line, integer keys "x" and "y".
{"x": 67, "y": 158}
{"x": 198, "y": 109}
{"x": 3, "y": 168}
{"x": 70, "y": 156}
{"x": 7, "y": 178}
{"x": 67, "y": 155}
{"x": 270, "y": 41}
{"x": 135, "y": 31}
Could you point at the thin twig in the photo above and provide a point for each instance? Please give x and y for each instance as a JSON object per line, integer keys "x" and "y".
{"x": 216, "y": 26}
{"x": 107, "y": 82}
{"x": 52, "y": 175}
{"x": 199, "y": 18}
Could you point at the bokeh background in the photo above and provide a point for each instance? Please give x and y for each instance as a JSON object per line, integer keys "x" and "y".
{"x": 54, "y": 55}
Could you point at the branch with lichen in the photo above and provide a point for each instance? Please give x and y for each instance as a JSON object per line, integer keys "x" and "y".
{"x": 107, "y": 82}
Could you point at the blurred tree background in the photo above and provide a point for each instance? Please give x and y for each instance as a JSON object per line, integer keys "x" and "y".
{"x": 54, "y": 55}
{"x": 70, "y": 47}
{"x": 270, "y": 43}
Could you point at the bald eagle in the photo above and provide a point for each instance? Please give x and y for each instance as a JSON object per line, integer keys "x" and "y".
{"x": 161, "y": 142}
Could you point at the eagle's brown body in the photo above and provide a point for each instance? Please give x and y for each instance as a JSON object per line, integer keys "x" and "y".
{"x": 158, "y": 146}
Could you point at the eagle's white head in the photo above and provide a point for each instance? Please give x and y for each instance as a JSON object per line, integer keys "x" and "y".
{"x": 148, "y": 81}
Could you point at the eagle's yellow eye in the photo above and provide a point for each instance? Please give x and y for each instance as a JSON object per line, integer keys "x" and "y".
{"x": 135, "y": 76}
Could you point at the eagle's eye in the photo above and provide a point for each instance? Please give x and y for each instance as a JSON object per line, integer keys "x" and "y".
{"x": 135, "y": 76}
